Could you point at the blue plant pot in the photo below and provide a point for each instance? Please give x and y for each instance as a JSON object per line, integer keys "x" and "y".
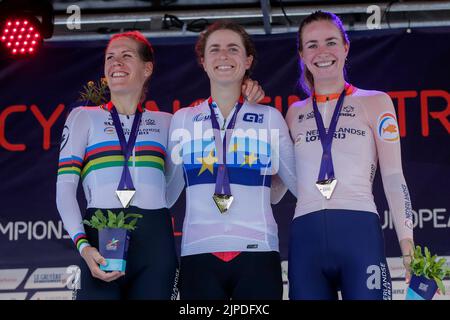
{"x": 421, "y": 288}
{"x": 113, "y": 246}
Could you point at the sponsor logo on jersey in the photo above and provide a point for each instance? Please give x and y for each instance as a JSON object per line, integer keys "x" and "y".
{"x": 150, "y": 122}
{"x": 298, "y": 139}
{"x": 408, "y": 207}
{"x": 252, "y": 246}
{"x": 253, "y": 117}
{"x": 387, "y": 128}
{"x": 341, "y": 133}
{"x": 65, "y": 137}
{"x": 201, "y": 117}
{"x": 347, "y": 111}
{"x": 110, "y": 130}
{"x": 308, "y": 116}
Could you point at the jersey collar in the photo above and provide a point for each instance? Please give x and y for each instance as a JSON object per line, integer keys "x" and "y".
{"x": 320, "y": 98}
{"x": 109, "y": 106}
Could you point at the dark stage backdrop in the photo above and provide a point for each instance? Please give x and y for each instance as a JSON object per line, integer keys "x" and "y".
{"x": 36, "y": 94}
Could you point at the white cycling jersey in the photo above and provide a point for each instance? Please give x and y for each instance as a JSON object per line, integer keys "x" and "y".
{"x": 367, "y": 133}
{"x": 90, "y": 149}
{"x": 259, "y": 144}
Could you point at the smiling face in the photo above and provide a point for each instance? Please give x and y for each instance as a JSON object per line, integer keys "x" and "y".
{"x": 323, "y": 50}
{"x": 125, "y": 71}
{"x": 225, "y": 59}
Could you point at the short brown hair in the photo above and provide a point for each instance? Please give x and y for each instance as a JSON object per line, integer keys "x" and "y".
{"x": 226, "y": 25}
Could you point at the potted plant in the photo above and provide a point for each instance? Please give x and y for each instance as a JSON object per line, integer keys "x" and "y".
{"x": 427, "y": 274}
{"x": 113, "y": 237}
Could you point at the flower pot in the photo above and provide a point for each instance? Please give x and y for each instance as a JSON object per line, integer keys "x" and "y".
{"x": 113, "y": 246}
{"x": 421, "y": 288}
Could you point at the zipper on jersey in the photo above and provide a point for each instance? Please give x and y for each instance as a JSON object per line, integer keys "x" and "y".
{"x": 224, "y": 122}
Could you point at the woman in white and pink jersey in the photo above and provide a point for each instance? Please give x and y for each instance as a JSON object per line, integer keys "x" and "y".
{"x": 341, "y": 133}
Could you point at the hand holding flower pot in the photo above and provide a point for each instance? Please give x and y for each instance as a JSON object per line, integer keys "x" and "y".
{"x": 426, "y": 275}
{"x": 114, "y": 237}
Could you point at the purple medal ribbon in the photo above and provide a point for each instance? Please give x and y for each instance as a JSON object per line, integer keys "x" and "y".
{"x": 326, "y": 138}
{"x": 223, "y": 181}
{"x": 126, "y": 182}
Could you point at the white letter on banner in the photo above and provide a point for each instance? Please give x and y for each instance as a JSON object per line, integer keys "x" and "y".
{"x": 73, "y": 21}
{"x": 374, "y": 21}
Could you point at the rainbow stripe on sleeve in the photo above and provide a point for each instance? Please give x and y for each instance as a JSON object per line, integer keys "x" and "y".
{"x": 70, "y": 165}
{"x": 79, "y": 239}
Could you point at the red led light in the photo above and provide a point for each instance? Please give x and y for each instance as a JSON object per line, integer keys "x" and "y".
{"x": 21, "y": 37}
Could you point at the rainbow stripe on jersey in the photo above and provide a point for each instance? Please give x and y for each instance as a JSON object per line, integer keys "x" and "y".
{"x": 108, "y": 154}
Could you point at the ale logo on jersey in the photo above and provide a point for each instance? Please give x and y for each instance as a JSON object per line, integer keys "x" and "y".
{"x": 253, "y": 117}
{"x": 388, "y": 128}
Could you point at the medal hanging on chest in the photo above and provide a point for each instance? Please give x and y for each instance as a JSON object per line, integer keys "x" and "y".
{"x": 326, "y": 181}
{"x": 222, "y": 196}
{"x": 125, "y": 191}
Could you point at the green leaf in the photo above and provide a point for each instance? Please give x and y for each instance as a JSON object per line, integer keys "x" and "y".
{"x": 120, "y": 224}
{"x": 101, "y": 217}
{"x": 133, "y": 215}
{"x": 427, "y": 254}
{"x": 440, "y": 285}
{"x": 120, "y": 217}
{"x": 87, "y": 222}
{"x": 112, "y": 219}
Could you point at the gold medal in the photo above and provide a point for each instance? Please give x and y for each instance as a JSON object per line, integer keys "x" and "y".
{"x": 223, "y": 201}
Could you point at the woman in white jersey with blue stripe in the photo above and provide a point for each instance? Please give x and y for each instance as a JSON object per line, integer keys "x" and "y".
{"x": 227, "y": 149}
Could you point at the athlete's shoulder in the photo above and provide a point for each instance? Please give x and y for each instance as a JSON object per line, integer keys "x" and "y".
{"x": 167, "y": 116}
{"x": 298, "y": 107}
{"x": 371, "y": 95}
{"x": 86, "y": 109}
{"x": 83, "y": 112}
{"x": 191, "y": 110}
{"x": 301, "y": 104}
{"x": 261, "y": 108}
